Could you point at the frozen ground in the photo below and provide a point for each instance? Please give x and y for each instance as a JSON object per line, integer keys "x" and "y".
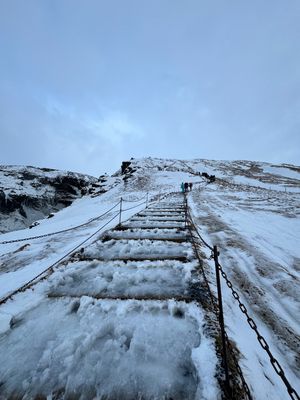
{"x": 65, "y": 341}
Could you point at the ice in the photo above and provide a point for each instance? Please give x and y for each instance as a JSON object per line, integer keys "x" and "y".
{"x": 146, "y": 278}
{"x": 114, "y": 350}
{"x": 154, "y": 224}
{"x": 141, "y": 249}
{"x": 155, "y": 233}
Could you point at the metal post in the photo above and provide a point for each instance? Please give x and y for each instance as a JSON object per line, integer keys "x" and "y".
{"x": 147, "y": 199}
{"x": 120, "y": 216}
{"x": 221, "y": 321}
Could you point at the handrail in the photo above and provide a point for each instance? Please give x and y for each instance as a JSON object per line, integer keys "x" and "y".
{"x": 38, "y": 277}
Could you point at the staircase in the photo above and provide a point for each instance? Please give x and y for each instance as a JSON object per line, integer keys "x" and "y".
{"x": 123, "y": 318}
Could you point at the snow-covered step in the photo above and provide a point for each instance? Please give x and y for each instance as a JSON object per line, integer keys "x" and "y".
{"x": 157, "y": 214}
{"x": 108, "y": 349}
{"x": 169, "y": 209}
{"x": 164, "y": 219}
{"x": 118, "y": 278}
{"x": 143, "y": 249}
{"x": 152, "y": 234}
{"x": 138, "y": 250}
{"x": 154, "y": 224}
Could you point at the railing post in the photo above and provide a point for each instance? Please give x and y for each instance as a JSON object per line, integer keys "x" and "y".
{"x": 221, "y": 321}
{"x": 120, "y": 217}
{"x": 185, "y": 211}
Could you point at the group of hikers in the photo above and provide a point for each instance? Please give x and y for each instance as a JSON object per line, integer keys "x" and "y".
{"x": 186, "y": 186}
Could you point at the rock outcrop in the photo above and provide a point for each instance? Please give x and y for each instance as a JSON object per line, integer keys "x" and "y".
{"x": 28, "y": 194}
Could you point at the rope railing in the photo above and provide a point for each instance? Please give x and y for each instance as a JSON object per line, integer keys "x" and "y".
{"x": 45, "y": 272}
{"x": 77, "y": 226}
{"x": 134, "y": 201}
{"x": 262, "y": 341}
{"x": 63, "y": 230}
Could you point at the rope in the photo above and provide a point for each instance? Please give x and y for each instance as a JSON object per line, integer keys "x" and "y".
{"x": 196, "y": 230}
{"x": 43, "y": 274}
{"x": 40, "y": 275}
{"x": 134, "y": 201}
{"x": 131, "y": 208}
{"x": 63, "y": 230}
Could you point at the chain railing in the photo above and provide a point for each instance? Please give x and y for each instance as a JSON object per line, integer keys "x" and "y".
{"x": 262, "y": 341}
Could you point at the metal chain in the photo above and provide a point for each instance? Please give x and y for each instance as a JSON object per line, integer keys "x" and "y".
{"x": 245, "y": 386}
{"x": 262, "y": 341}
{"x": 236, "y": 364}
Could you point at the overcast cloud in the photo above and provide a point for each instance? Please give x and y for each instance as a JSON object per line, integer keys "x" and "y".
{"x": 87, "y": 84}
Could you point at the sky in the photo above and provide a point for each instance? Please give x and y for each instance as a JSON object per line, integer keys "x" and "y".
{"x": 86, "y": 84}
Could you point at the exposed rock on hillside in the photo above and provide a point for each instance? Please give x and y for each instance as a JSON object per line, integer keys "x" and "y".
{"x": 28, "y": 193}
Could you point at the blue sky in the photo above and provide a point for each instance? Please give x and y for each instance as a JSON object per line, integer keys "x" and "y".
{"x": 87, "y": 84}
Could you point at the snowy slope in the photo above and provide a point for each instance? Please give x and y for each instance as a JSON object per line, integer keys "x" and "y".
{"x": 251, "y": 212}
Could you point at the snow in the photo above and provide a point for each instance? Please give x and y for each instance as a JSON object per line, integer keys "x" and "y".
{"x": 283, "y": 171}
{"x": 138, "y": 249}
{"x": 83, "y": 330}
{"x": 105, "y": 348}
{"x": 156, "y": 278}
{"x": 155, "y": 233}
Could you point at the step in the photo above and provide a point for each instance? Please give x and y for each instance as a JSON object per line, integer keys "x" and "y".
{"x": 155, "y": 224}
{"x": 151, "y": 234}
{"x": 181, "y": 215}
{"x": 123, "y": 227}
{"x": 166, "y": 209}
{"x": 151, "y": 219}
{"x": 108, "y": 349}
{"x": 119, "y": 278}
{"x": 141, "y": 249}
{"x": 146, "y": 297}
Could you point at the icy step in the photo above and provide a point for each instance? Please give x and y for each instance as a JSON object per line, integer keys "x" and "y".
{"x": 151, "y": 234}
{"x": 154, "y": 224}
{"x": 159, "y": 209}
{"x": 162, "y": 214}
{"x": 140, "y": 297}
{"x": 117, "y": 278}
{"x": 138, "y": 250}
{"x": 107, "y": 349}
{"x": 162, "y": 218}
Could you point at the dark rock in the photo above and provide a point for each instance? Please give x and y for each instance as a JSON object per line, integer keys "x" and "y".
{"x": 35, "y": 193}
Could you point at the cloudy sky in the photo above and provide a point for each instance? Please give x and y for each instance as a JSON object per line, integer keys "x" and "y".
{"x": 85, "y": 84}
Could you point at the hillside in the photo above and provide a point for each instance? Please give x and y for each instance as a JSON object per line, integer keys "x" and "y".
{"x": 251, "y": 210}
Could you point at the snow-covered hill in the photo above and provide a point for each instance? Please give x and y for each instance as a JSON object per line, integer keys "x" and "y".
{"x": 251, "y": 211}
